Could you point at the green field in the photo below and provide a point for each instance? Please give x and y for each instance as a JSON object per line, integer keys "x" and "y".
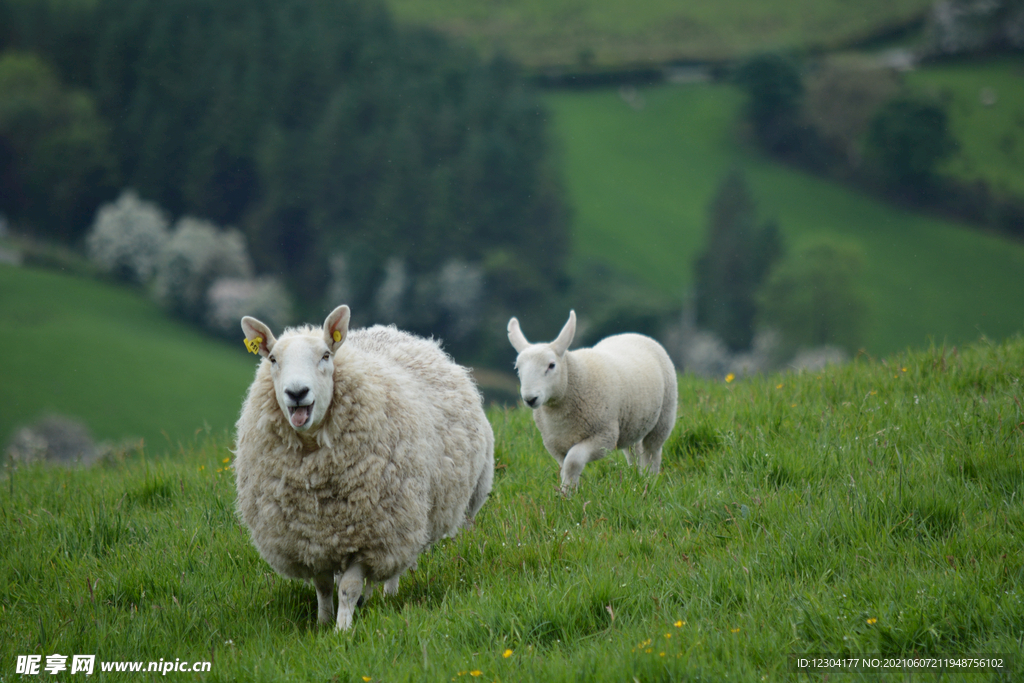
{"x": 990, "y": 131}
{"x": 609, "y": 33}
{"x": 640, "y": 181}
{"x": 875, "y": 508}
{"x": 110, "y": 357}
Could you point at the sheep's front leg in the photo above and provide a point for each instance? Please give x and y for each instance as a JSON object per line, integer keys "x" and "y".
{"x": 324, "y": 584}
{"x": 350, "y": 587}
{"x": 578, "y": 456}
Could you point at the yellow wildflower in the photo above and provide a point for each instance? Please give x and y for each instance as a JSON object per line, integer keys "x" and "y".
{"x": 476, "y": 672}
{"x": 506, "y": 654}
{"x": 730, "y": 377}
{"x": 872, "y": 620}
{"x": 680, "y": 624}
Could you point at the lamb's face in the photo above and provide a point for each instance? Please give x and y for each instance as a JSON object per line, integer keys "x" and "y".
{"x": 542, "y": 375}
{"x": 541, "y": 367}
{"x": 303, "y": 371}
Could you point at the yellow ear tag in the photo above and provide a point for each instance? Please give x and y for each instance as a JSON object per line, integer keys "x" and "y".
{"x": 253, "y": 344}
{"x": 337, "y": 336}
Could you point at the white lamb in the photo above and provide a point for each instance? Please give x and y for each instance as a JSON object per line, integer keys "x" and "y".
{"x": 621, "y": 393}
{"x": 354, "y": 453}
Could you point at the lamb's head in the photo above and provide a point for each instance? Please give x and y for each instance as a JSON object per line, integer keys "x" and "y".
{"x": 302, "y": 366}
{"x": 543, "y": 375}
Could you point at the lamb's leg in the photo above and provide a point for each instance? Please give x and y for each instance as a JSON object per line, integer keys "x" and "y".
{"x": 650, "y": 463}
{"x": 391, "y": 585}
{"x": 350, "y": 587}
{"x": 324, "y": 584}
{"x": 579, "y": 455}
{"x": 656, "y": 438}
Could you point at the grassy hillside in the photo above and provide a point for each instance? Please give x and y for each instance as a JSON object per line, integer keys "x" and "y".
{"x": 110, "y": 357}
{"x": 604, "y": 33}
{"x": 640, "y": 181}
{"x": 875, "y": 508}
{"x": 985, "y": 101}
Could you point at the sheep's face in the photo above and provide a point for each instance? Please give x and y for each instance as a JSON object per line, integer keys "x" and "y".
{"x": 541, "y": 367}
{"x": 303, "y": 370}
{"x": 302, "y": 366}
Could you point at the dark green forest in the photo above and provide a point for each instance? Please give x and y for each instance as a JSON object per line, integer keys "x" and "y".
{"x": 316, "y": 127}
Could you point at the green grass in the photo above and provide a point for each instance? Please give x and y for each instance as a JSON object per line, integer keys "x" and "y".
{"x": 875, "y": 508}
{"x": 990, "y": 136}
{"x": 609, "y": 33}
{"x": 640, "y": 182}
{"x": 109, "y": 356}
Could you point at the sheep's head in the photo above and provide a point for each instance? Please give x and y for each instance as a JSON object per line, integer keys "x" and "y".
{"x": 541, "y": 367}
{"x": 302, "y": 366}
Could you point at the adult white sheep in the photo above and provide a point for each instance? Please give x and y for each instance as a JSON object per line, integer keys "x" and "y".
{"x": 621, "y": 393}
{"x": 355, "y": 452}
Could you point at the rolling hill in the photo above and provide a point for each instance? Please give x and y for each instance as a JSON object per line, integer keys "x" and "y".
{"x": 109, "y": 356}
{"x": 641, "y": 174}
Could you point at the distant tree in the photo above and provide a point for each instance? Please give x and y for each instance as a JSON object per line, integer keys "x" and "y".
{"x": 56, "y": 163}
{"x": 841, "y": 101}
{"x": 737, "y": 257}
{"x": 774, "y": 91}
{"x": 197, "y": 255}
{"x": 814, "y": 297}
{"x": 907, "y": 138}
{"x": 127, "y": 238}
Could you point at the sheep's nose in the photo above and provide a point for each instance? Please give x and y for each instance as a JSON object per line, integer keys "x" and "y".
{"x": 532, "y": 401}
{"x": 297, "y": 394}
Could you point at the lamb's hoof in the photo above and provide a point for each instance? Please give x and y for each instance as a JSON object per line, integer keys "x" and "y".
{"x": 391, "y": 586}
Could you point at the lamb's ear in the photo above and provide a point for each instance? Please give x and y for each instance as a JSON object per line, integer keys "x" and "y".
{"x": 561, "y": 345}
{"x": 258, "y": 337}
{"x": 336, "y": 327}
{"x": 515, "y": 335}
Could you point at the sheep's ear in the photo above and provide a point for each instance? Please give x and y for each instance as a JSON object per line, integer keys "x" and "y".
{"x": 258, "y": 337}
{"x": 561, "y": 345}
{"x": 515, "y": 335}
{"x": 336, "y": 327}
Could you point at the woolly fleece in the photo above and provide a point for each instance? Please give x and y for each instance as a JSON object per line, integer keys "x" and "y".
{"x": 403, "y": 459}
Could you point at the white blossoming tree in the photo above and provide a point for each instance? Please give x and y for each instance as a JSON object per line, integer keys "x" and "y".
{"x": 127, "y": 237}
{"x": 197, "y": 255}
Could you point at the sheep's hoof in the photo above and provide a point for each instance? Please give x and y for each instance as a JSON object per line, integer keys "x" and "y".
{"x": 344, "y": 620}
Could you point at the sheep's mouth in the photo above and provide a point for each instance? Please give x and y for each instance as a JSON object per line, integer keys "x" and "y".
{"x": 300, "y": 415}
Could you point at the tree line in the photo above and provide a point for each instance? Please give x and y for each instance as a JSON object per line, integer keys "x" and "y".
{"x": 324, "y": 131}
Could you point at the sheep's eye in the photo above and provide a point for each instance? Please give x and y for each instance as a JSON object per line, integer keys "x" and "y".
{"x": 272, "y": 360}
{"x": 327, "y": 356}
{"x": 551, "y": 366}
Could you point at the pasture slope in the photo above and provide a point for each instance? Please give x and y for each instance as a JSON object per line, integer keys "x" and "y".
{"x": 110, "y": 357}
{"x": 609, "y": 34}
{"x": 640, "y": 178}
{"x": 875, "y": 508}
{"x": 985, "y": 102}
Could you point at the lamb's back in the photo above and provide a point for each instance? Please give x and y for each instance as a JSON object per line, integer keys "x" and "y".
{"x": 635, "y": 371}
